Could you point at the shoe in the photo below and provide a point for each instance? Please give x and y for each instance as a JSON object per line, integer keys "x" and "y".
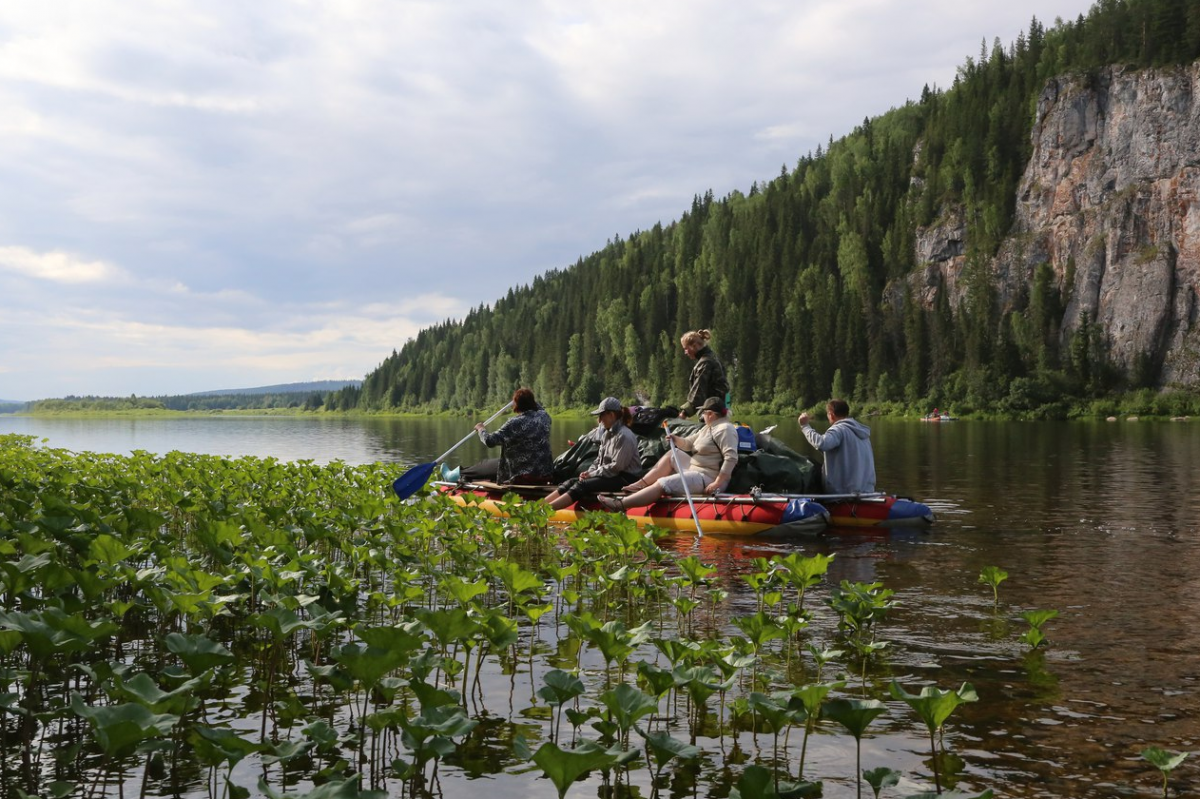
{"x": 613, "y": 504}
{"x": 633, "y": 488}
{"x": 449, "y": 475}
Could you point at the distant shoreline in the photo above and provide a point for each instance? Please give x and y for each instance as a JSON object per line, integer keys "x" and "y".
{"x": 868, "y": 412}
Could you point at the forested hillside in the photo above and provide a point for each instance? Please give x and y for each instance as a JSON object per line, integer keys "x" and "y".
{"x": 807, "y": 280}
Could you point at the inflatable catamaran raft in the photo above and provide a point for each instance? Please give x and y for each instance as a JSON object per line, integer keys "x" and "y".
{"x": 774, "y": 490}
{"x": 753, "y": 513}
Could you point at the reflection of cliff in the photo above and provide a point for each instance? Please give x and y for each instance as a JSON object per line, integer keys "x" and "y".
{"x": 1109, "y": 201}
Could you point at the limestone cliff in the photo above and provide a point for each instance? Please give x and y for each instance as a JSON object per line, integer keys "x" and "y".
{"x": 1111, "y": 200}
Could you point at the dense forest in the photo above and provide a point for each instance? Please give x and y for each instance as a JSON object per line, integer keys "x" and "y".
{"x": 802, "y": 278}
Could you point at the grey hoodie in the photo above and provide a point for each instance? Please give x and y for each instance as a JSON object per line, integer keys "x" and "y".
{"x": 849, "y": 459}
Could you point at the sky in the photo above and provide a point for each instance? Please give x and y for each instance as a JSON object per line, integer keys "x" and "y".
{"x": 209, "y": 194}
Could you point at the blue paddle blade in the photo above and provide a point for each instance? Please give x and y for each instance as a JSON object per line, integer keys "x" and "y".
{"x": 413, "y": 480}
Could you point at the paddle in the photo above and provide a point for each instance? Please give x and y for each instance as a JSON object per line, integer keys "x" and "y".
{"x": 415, "y": 478}
{"x": 682, "y": 479}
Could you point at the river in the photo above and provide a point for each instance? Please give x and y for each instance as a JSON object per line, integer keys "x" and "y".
{"x": 1097, "y": 520}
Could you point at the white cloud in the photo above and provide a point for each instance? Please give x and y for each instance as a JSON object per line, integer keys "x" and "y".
{"x": 57, "y": 267}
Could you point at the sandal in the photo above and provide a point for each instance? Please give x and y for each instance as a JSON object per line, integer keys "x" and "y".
{"x": 613, "y": 504}
{"x": 633, "y": 488}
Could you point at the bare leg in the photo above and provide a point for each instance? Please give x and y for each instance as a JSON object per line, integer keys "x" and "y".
{"x": 664, "y": 467}
{"x": 635, "y": 500}
{"x": 559, "y": 501}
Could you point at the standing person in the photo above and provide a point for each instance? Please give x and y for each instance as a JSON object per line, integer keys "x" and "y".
{"x": 524, "y": 442}
{"x": 707, "y": 459}
{"x": 849, "y": 460}
{"x": 616, "y": 464}
{"x": 708, "y": 375}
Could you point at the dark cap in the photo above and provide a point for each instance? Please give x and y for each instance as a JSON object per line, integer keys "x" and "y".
{"x": 608, "y": 404}
{"x": 714, "y": 404}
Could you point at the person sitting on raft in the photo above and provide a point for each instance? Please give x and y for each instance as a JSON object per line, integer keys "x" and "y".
{"x": 707, "y": 459}
{"x": 524, "y": 441}
{"x": 849, "y": 460}
{"x": 616, "y": 464}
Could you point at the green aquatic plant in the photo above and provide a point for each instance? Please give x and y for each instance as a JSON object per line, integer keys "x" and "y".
{"x": 934, "y": 706}
{"x": 1164, "y": 761}
{"x": 804, "y": 572}
{"x": 612, "y": 639}
{"x": 855, "y": 715}
{"x": 810, "y": 698}
{"x": 880, "y": 778}
{"x": 1034, "y": 636}
{"x": 561, "y": 687}
{"x": 757, "y": 782}
{"x": 758, "y": 629}
{"x": 122, "y": 729}
{"x": 347, "y": 788}
{"x": 626, "y": 706}
{"x": 992, "y": 576}
{"x": 777, "y": 713}
{"x": 564, "y": 766}
{"x": 661, "y": 749}
{"x": 860, "y": 606}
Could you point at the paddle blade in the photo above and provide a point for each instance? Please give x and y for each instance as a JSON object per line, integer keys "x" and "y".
{"x": 413, "y": 480}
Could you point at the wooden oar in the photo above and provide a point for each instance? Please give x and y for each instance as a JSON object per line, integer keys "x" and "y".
{"x": 682, "y": 479}
{"x": 415, "y": 478}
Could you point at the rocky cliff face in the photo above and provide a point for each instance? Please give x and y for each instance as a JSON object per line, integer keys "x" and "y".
{"x": 1111, "y": 200}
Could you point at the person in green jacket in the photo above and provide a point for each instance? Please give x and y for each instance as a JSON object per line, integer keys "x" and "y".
{"x": 708, "y": 375}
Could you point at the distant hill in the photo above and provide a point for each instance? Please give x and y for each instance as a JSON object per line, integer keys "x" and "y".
{"x": 11, "y": 406}
{"x": 283, "y": 388}
{"x": 310, "y": 396}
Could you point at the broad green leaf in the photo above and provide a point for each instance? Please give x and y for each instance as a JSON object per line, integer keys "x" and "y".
{"x": 1036, "y": 618}
{"x": 220, "y": 745}
{"x": 119, "y": 728}
{"x": 934, "y": 706}
{"x": 198, "y": 652}
{"x": 1162, "y": 759}
{"x": 663, "y": 748}
{"x": 853, "y": 714}
{"x": 564, "y": 766}
{"x": 108, "y": 550}
{"x": 561, "y": 687}
{"x": 401, "y": 638}
{"x": 627, "y": 704}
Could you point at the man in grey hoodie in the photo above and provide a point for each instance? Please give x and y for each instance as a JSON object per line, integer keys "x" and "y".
{"x": 849, "y": 459}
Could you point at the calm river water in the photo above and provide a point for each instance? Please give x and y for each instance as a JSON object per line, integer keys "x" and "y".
{"x": 1100, "y": 521}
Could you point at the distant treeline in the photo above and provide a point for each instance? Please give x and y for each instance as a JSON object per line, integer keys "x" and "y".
{"x": 303, "y": 400}
{"x": 802, "y": 278}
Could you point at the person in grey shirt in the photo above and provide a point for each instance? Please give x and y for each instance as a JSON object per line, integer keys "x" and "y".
{"x": 849, "y": 460}
{"x": 616, "y": 464}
